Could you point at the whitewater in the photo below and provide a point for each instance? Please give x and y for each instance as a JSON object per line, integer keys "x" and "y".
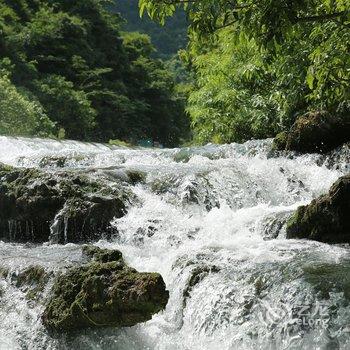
{"x": 211, "y": 220}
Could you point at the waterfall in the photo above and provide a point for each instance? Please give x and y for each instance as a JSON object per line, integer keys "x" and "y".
{"x": 211, "y": 220}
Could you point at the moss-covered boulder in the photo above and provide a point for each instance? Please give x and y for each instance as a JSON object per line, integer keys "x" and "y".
{"x": 314, "y": 132}
{"x": 64, "y": 206}
{"x": 32, "y": 281}
{"x": 104, "y": 292}
{"x": 327, "y": 218}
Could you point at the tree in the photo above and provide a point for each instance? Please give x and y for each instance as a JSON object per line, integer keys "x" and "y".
{"x": 19, "y": 115}
{"x": 167, "y": 39}
{"x": 259, "y": 64}
{"x": 70, "y": 58}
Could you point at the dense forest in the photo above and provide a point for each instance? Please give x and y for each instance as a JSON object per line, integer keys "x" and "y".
{"x": 67, "y": 70}
{"x": 257, "y": 65}
{"x": 88, "y": 69}
{"x": 167, "y": 39}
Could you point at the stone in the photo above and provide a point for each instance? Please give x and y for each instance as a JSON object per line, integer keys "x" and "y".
{"x": 325, "y": 219}
{"x": 32, "y": 281}
{"x": 65, "y": 206}
{"x": 103, "y": 292}
{"x": 314, "y": 132}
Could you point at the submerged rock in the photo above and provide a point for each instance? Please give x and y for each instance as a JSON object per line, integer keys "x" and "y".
{"x": 65, "y": 206}
{"x": 327, "y": 218}
{"x": 197, "y": 275}
{"x": 104, "y": 292}
{"x": 32, "y": 281}
{"x": 328, "y": 278}
{"x": 314, "y": 132}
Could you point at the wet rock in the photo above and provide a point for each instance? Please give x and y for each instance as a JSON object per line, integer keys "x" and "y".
{"x": 327, "y": 218}
{"x": 136, "y": 177}
{"x": 197, "y": 275}
{"x": 272, "y": 225}
{"x": 65, "y": 206}
{"x": 338, "y": 159}
{"x": 52, "y": 161}
{"x": 329, "y": 278}
{"x": 102, "y": 255}
{"x": 4, "y": 271}
{"x": 104, "y": 292}
{"x": 32, "y": 281}
{"x": 4, "y": 169}
{"x": 314, "y": 132}
{"x": 280, "y": 141}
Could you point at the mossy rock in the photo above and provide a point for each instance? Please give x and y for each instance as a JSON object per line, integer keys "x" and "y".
{"x": 51, "y": 161}
{"x": 59, "y": 161}
{"x": 66, "y": 206}
{"x": 315, "y": 132}
{"x": 104, "y": 292}
{"x": 4, "y": 168}
{"x": 280, "y": 141}
{"x": 325, "y": 219}
{"x": 136, "y": 177}
{"x": 32, "y": 281}
{"x": 101, "y": 255}
{"x": 4, "y": 272}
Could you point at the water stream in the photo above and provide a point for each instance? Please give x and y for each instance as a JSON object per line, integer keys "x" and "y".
{"x": 211, "y": 221}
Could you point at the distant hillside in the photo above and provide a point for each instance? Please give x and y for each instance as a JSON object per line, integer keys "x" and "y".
{"x": 167, "y": 39}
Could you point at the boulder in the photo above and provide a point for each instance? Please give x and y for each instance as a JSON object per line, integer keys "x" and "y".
{"x": 103, "y": 292}
{"x": 65, "y": 206}
{"x": 314, "y": 132}
{"x": 327, "y": 218}
{"x": 32, "y": 281}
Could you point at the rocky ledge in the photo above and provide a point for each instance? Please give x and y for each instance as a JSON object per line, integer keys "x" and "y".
{"x": 314, "y": 132}
{"x": 103, "y": 292}
{"x": 325, "y": 219}
{"x": 64, "y": 206}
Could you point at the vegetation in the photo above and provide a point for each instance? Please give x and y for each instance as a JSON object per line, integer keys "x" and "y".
{"x": 250, "y": 68}
{"x": 103, "y": 292}
{"x": 20, "y": 115}
{"x": 167, "y": 39}
{"x": 66, "y": 70}
{"x": 259, "y": 64}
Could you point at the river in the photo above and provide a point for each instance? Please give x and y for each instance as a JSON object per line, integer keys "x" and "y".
{"x": 211, "y": 221}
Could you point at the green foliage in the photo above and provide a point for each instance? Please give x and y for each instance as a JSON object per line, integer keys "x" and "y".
{"x": 229, "y": 101}
{"x": 94, "y": 83}
{"x": 52, "y": 91}
{"x": 329, "y": 72}
{"x": 259, "y": 64}
{"x": 119, "y": 143}
{"x": 19, "y": 115}
{"x": 167, "y": 38}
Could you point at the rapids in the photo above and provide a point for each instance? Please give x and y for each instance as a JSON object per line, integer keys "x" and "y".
{"x": 211, "y": 221}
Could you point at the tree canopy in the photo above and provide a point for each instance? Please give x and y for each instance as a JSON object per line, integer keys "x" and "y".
{"x": 70, "y": 59}
{"x": 167, "y": 39}
{"x": 259, "y": 64}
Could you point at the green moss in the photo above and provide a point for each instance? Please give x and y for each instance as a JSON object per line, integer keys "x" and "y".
{"x": 136, "y": 176}
{"x": 102, "y": 255}
{"x": 4, "y": 271}
{"x": 280, "y": 141}
{"x": 103, "y": 293}
{"x": 120, "y": 143}
{"x": 325, "y": 219}
{"x": 32, "y": 281}
{"x": 4, "y": 168}
{"x": 317, "y": 131}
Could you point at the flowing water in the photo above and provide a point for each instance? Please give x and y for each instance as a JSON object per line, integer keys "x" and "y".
{"x": 211, "y": 220}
